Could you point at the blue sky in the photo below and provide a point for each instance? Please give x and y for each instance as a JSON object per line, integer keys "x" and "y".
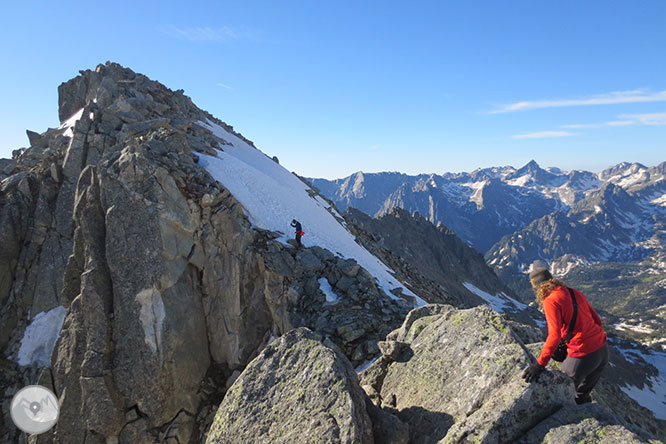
{"x": 336, "y": 87}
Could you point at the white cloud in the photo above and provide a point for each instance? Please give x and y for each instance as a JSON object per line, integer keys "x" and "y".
{"x": 542, "y": 135}
{"x": 209, "y": 34}
{"x": 222, "y": 85}
{"x": 628, "y": 120}
{"x": 600, "y": 125}
{"x": 612, "y": 98}
{"x": 374, "y": 147}
{"x": 646, "y": 119}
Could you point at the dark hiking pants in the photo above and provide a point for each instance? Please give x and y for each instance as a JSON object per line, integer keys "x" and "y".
{"x": 585, "y": 372}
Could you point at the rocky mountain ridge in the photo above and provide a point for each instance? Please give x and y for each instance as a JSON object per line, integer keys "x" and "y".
{"x": 160, "y": 283}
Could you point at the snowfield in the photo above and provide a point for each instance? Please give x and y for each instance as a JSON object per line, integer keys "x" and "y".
{"x": 40, "y": 337}
{"x": 652, "y": 397}
{"x": 661, "y": 201}
{"x": 498, "y": 302}
{"x": 272, "y": 197}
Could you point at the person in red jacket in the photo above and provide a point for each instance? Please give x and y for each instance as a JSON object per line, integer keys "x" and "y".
{"x": 587, "y": 352}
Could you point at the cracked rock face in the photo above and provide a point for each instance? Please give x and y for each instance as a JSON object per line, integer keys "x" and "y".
{"x": 297, "y": 390}
{"x": 167, "y": 287}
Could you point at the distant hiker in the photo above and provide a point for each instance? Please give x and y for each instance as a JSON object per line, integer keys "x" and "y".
{"x": 586, "y": 352}
{"x": 299, "y": 231}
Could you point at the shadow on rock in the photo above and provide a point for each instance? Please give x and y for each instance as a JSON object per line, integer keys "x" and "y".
{"x": 405, "y": 355}
{"x": 425, "y": 427}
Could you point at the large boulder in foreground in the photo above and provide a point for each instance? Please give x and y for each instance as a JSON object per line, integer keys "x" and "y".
{"x": 455, "y": 376}
{"x": 296, "y": 391}
{"x": 458, "y": 378}
{"x": 584, "y": 423}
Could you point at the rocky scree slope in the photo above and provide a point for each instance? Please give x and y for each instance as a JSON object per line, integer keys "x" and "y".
{"x": 153, "y": 285}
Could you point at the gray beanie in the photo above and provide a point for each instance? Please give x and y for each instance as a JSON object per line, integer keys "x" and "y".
{"x": 539, "y": 276}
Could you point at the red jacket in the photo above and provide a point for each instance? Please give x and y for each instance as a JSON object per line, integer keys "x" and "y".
{"x": 588, "y": 336}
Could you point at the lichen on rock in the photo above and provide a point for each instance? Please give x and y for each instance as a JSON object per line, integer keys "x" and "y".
{"x": 296, "y": 391}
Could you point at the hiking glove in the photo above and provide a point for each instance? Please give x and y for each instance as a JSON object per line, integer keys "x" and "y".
{"x": 532, "y": 372}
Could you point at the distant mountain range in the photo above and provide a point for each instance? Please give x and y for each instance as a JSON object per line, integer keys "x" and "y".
{"x": 604, "y": 232}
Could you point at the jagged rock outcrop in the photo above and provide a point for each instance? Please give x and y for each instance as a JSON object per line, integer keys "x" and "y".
{"x": 169, "y": 291}
{"x": 445, "y": 376}
{"x": 297, "y": 390}
{"x": 361, "y": 315}
{"x": 455, "y": 377}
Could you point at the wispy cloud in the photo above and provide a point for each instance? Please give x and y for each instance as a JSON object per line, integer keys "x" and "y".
{"x": 654, "y": 119}
{"x": 611, "y": 98}
{"x": 374, "y": 147}
{"x": 600, "y": 125}
{"x": 542, "y": 135}
{"x": 646, "y": 119}
{"x": 209, "y": 34}
{"x": 222, "y": 85}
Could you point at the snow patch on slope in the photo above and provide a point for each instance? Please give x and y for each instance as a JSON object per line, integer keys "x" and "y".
{"x": 476, "y": 196}
{"x": 661, "y": 201}
{"x": 520, "y": 181}
{"x": 628, "y": 176}
{"x": 40, "y": 337}
{"x": 499, "y": 302}
{"x": 68, "y": 125}
{"x": 325, "y": 287}
{"x": 622, "y": 326}
{"x": 272, "y": 197}
{"x": 653, "y": 395}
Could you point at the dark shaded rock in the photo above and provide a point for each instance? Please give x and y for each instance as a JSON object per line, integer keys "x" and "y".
{"x": 386, "y": 427}
{"x": 350, "y": 332}
{"x": 350, "y": 268}
{"x": 344, "y": 283}
{"x": 296, "y": 391}
{"x": 309, "y": 261}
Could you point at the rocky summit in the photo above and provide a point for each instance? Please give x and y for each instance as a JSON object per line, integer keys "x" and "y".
{"x": 167, "y": 287}
{"x": 154, "y": 289}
